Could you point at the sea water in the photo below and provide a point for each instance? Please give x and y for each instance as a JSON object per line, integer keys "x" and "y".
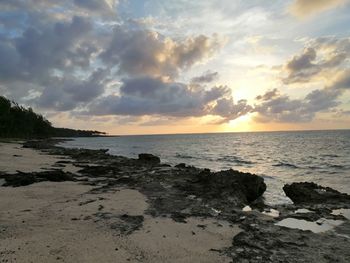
{"x": 322, "y": 157}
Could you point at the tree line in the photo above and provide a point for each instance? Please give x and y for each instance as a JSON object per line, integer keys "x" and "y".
{"x": 19, "y": 122}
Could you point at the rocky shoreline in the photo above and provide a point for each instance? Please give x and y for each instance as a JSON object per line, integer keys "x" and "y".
{"x": 184, "y": 192}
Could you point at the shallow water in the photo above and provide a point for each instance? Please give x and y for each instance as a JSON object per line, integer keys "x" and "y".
{"x": 316, "y": 227}
{"x": 343, "y": 211}
{"x": 322, "y": 157}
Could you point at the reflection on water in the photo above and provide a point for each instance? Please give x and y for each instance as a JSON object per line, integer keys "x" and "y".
{"x": 303, "y": 211}
{"x": 344, "y": 212}
{"x": 319, "y": 226}
{"x": 280, "y": 157}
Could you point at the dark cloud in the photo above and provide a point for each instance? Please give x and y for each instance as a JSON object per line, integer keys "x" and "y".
{"x": 152, "y": 96}
{"x": 138, "y": 51}
{"x": 323, "y": 54}
{"x": 66, "y": 94}
{"x": 47, "y": 60}
{"x": 64, "y": 60}
{"x": 37, "y": 52}
{"x": 54, "y": 47}
{"x": 228, "y": 110}
{"x": 303, "y": 61}
{"x": 277, "y": 107}
{"x": 207, "y": 77}
{"x": 268, "y": 95}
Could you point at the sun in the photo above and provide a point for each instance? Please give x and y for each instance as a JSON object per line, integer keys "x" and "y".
{"x": 242, "y": 123}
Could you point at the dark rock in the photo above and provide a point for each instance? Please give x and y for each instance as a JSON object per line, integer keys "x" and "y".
{"x": 43, "y": 143}
{"x": 180, "y": 165}
{"x": 311, "y": 193}
{"x": 23, "y": 179}
{"x": 179, "y": 217}
{"x": 234, "y": 186}
{"x": 266, "y": 242}
{"x": 149, "y": 158}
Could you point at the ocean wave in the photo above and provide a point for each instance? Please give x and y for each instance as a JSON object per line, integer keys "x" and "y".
{"x": 337, "y": 166}
{"x": 183, "y": 156}
{"x": 330, "y": 155}
{"x": 234, "y": 159}
{"x": 285, "y": 164}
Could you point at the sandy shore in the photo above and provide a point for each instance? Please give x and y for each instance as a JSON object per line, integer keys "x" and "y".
{"x": 13, "y": 157}
{"x": 64, "y": 222}
{"x": 79, "y": 205}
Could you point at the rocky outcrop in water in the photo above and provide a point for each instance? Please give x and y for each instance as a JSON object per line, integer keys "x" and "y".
{"x": 311, "y": 193}
{"x": 148, "y": 158}
{"x": 240, "y": 188}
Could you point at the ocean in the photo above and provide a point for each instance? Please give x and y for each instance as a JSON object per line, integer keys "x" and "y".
{"x": 322, "y": 157}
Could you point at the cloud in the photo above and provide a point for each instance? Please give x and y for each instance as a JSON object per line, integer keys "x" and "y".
{"x": 52, "y": 61}
{"x": 33, "y": 55}
{"x": 268, "y": 95}
{"x": 306, "y": 8}
{"x": 63, "y": 8}
{"x": 274, "y": 106}
{"x": 152, "y": 96}
{"x": 64, "y": 63}
{"x": 65, "y": 94}
{"x": 206, "y": 77}
{"x": 342, "y": 81}
{"x": 80, "y": 56}
{"x": 320, "y": 56}
{"x": 304, "y": 61}
{"x": 139, "y": 51}
{"x": 99, "y": 6}
{"x": 281, "y": 108}
{"x": 227, "y": 110}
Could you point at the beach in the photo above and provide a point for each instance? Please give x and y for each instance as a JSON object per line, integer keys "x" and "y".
{"x": 117, "y": 209}
{"x": 52, "y": 222}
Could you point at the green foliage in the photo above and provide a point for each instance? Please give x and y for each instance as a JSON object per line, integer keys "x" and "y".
{"x": 19, "y": 122}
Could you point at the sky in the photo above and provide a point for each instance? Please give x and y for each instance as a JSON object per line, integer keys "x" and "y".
{"x": 176, "y": 66}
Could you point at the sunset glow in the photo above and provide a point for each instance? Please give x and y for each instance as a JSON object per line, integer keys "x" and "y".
{"x": 137, "y": 67}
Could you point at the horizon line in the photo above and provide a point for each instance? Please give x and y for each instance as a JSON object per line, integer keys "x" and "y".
{"x": 223, "y": 132}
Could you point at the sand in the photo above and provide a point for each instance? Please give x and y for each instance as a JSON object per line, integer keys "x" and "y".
{"x": 60, "y": 222}
{"x": 15, "y": 158}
